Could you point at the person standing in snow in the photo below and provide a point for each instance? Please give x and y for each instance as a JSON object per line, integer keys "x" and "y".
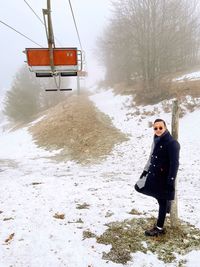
{"x": 160, "y": 173}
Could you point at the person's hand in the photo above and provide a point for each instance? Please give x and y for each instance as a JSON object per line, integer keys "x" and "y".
{"x": 144, "y": 173}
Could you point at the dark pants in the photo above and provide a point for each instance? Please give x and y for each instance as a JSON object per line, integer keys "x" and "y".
{"x": 164, "y": 208}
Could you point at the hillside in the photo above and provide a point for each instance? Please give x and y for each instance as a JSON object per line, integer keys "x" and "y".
{"x": 176, "y": 85}
{"x": 75, "y": 126}
{"x": 63, "y": 213}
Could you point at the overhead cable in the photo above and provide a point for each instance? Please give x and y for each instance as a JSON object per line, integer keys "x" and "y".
{"x": 75, "y": 24}
{"x": 34, "y": 12}
{"x": 40, "y": 19}
{"x": 20, "y": 33}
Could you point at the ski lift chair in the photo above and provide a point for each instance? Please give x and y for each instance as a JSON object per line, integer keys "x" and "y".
{"x": 66, "y": 61}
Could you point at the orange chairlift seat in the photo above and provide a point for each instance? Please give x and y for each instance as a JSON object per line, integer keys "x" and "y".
{"x": 66, "y": 61}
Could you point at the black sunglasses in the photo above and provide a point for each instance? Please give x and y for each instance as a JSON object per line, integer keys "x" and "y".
{"x": 156, "y": 128}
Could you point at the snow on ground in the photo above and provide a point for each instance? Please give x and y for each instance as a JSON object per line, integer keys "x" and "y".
{"x": 34, "y": 188}
{"x": 193, "y": 76}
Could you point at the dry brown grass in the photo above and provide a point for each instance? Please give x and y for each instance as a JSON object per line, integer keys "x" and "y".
{"x": 77, "y": 127}
{"x": 168, "y": 89}
{"x": 127, "y": 237}
{"x": 187, "y": 87}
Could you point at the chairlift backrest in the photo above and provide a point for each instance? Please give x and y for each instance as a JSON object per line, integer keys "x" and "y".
{"x": 66, "y": 61}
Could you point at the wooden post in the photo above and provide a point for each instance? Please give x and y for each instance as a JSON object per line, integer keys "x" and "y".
{"x": 175, "y": 125}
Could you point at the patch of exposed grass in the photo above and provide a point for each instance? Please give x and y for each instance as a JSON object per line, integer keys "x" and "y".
{"x": 83, "y": 206}
{"x": 88, "y": 234}
{"x": 135, "y": 212}
{"x": 59, "y": 216}
{"x": 128, "y": 237}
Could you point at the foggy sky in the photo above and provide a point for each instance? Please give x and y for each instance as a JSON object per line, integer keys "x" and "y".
{"x": 91, "y": 17}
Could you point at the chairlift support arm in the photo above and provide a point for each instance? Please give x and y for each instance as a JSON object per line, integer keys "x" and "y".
{"x": 49, "y": 32}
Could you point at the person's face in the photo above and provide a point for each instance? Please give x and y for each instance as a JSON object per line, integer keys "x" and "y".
{"x": 159, "y": 128}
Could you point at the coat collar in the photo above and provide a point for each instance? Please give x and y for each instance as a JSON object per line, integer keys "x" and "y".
{"x": 166, "y": 136}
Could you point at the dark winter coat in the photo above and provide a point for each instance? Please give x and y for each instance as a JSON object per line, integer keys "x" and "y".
{"x": 163, "y": 167}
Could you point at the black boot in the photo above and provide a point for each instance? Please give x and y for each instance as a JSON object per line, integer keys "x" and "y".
{"x": 155, "y": 231}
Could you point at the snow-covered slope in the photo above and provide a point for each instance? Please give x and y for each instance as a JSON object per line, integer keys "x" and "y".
{"x": 34, "y": 188}
{"x": 193, "y": 76}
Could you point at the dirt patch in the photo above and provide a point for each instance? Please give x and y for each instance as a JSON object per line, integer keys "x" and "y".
{"x": 82, "y": 132}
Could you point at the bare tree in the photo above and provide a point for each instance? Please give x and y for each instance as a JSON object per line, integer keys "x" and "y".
{"x": 149, "y": 38}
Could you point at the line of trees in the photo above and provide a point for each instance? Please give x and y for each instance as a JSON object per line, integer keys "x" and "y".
{"x": 27, "y": 96}
{"x": 147, "y": 39}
